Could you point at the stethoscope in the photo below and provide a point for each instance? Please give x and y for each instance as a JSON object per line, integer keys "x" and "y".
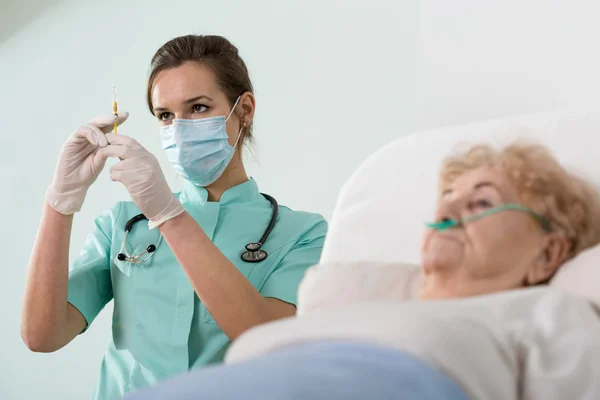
{"x": 253, "y": 254}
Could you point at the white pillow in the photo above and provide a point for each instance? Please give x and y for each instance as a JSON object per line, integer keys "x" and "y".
{"x": 339, "y": 284}
{"x": 335, "y": 285}
{"x": 581, "y": 275}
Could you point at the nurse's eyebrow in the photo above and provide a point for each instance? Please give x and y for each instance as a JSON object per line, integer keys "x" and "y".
{"x": 194, "y": 99}
{"x": 188, "y": 101}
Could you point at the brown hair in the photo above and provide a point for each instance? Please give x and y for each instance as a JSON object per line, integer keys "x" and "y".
{"x": 571, "y": 205}
{"x": 215, "y": 52}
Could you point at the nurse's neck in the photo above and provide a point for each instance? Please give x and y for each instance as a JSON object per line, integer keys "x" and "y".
{"x": 234, "y": 174}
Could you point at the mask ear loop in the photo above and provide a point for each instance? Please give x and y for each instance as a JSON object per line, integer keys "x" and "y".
{"x": 239, "y": 136}
{"x": 233, "y": 108}
{"x": 242, "y": 128}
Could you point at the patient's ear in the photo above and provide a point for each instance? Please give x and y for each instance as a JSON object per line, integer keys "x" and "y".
{"x": 554, "y": 253}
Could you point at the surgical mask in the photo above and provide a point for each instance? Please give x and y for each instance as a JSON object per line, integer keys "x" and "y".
{"x": 199, "y": 149}
{"x": 453, "y": 223}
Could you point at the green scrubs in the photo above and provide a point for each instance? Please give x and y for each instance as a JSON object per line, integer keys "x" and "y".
{"x": 160, "y": 328}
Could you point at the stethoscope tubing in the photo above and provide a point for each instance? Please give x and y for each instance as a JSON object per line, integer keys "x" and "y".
{"x": 253, "y": 251}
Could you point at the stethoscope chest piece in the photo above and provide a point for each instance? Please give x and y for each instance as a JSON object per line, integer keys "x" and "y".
{"x": 254, "y": 253}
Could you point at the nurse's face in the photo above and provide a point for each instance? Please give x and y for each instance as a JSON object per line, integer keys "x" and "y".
{"x": 498, "y": 252}
{"x": 191, "y": 91}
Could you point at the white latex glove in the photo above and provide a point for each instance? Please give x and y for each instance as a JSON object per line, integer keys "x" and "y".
{"x": 140, "y": 172}
{"x": 80, "y": 163}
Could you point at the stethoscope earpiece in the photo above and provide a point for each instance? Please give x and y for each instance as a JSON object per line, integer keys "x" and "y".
{"x": 136, "y": 259}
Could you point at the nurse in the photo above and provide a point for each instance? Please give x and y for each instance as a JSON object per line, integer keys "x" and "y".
{"x": 180, "y": 305}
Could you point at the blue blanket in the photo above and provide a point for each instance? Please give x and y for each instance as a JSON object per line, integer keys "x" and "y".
{"x": 316, "y": 371}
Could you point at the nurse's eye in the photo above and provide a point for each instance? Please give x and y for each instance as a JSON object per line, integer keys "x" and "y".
{"x": 200, "y": 108}
{"x": 165, "y": 116}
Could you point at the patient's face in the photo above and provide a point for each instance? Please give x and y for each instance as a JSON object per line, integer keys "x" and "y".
{"x": 498, "y": 252}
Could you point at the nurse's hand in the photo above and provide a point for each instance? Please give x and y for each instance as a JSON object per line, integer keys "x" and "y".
{"x": 80, "y": 163}
{"x": 141, "y": 174}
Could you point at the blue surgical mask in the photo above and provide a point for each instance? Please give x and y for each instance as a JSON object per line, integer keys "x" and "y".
{"x": 199, "y": 149}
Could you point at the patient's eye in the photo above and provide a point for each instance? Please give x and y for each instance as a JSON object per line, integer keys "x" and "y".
{"x": 483, "y": 203}
{"x": 479, "y": 204}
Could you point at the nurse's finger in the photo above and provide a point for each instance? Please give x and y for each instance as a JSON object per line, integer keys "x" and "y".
{"x": 122, "y": 140}
{"x": 100, "y": 138}
{"x": 115, "y": 175}
{"x": 98, "y": 162}
{"x": 118, "y": 170}
{"x": 106, "y": 122}
{"x": 85, "y": 133}
{"x": 117, "y": 151}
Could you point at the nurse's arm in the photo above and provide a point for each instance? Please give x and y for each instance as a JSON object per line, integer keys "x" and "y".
{"x": 229, "y": 297}
{"x": 48, "y": 321}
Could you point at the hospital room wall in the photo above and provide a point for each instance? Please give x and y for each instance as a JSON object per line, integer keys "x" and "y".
{"x": 334, "y": 81}
{"x": 491, "y": 59}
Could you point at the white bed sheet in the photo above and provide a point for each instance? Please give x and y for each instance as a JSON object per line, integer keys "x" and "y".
{"x": 529, "y": 344}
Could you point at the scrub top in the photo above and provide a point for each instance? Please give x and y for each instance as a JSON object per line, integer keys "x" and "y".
{"x": 160, "y": 328}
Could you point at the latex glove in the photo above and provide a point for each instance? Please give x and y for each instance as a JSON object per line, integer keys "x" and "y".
{"x": 80, "y": 163}
{"x": 141, "y": 174}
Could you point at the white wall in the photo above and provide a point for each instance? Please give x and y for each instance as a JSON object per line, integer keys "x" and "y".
{"x": 491, "y": 59}
{"x": 16, "y": 13}
{"x": 335, "y": 80}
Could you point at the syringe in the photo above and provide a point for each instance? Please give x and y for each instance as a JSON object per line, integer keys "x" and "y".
{"x": 115, "y": 110}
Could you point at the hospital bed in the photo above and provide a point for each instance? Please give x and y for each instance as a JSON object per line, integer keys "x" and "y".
{"x": 372, "y": 250}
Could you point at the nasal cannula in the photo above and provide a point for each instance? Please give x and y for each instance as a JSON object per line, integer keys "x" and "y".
{"x": 453, "y": 223}
{"x": 115, "y": 110}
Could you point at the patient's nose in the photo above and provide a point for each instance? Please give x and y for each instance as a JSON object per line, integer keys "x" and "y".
{"x": 445, "y": 212}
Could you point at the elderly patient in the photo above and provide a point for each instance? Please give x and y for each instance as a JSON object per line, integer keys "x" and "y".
{"x": 535, "y": 217}
{"x": 491, "y": 328}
